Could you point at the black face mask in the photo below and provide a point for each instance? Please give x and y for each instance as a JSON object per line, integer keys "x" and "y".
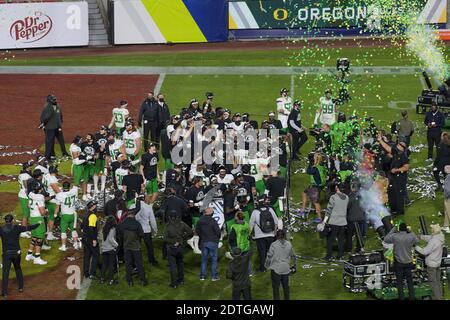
{"x": 161, "y": 100}
{"x": 237, "y": 123}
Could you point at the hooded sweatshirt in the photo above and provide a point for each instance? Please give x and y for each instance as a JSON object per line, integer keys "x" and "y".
{"x": 279, "y": 256}
{"x": 433, "y": 250}
{"x": 337, "y": 209}
{"x": 131, "y": 232}
{"x": 238, "y": 271}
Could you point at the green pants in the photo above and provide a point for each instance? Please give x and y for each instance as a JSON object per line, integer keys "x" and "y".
{"x": 151, "y": 186}
{"x": 283, "y": 172}
{"x": 39, "y": 232}
{"x": 260, "y": 187}
{"x": 51, "y": 210}
{"x": 88, "y": 172}
{"x": 67, "y": 221}
{"x": 168, "y": 164}
{"x": 24, "y": 206}
{"x": 77, "y": 173}
{"x": 195, "y": 220}
{"x": 99, "y": 166}
{"x": 276, "y": 208}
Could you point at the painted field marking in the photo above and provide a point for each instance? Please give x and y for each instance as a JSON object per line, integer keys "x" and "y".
{"x": 82, "y": 293}
{"x": 159, "y": 83}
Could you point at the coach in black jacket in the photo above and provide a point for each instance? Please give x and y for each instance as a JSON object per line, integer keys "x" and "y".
{"x": 435, "y": 121}
{"x": 299, "y": 136}
{"x": 149, "y": 117}
{"x": 163, "y": 112}
{"x": 209, "y": 233}
{"x": 51, "y": 122}
{"x": 10, "y": 234}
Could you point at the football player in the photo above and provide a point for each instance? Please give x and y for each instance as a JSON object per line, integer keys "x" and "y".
{"x": 50, "y": 182}
{"x": 149, "y": 170}
{"x": 101, "y": 138}
{"x": 65, "y": 206}
{"x": 132, "y": 140}
{"x": 23, "y": 177}
{"x": 120, "y": 115}
{"x": 37, "y": 213}
{"x": 88, "y": 152}
{"x": 326, "y": 113}
{"x": 284, "y": 107}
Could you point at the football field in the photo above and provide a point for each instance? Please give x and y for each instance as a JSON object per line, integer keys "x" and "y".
{"x": 384, "y": 81}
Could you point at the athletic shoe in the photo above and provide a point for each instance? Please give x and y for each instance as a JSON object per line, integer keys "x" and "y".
{"x": 228, "y": 255}
{"x": 317, "y": 220}
{"x": 327, "y": 259}
{"x": 62, "y": 248}
{"x": 429, "y": 160}
{"x": 25, "y": 235}
{"x": 340, "y": 259}
{"x": 300, "y": 214}
{"x": 51, "y": 237}
{"x": 180, "y": 282}
{"x": 446, "y": 229}
{"x": 197, "y": 251}
{"x": 29, "y": 257}
{"x": 202, "y": 279}
{"x": 215, "y": 279}
{"x": 173, "y": 286}
{"x": 39, "y": 261}
{"x": 190, "y": 242}
{"x": 45, "y": 247}
{"x": 220, "y": 244}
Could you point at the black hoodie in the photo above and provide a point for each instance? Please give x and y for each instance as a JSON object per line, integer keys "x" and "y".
{"x": 130, "y": 230}
{"x": 207, "y": 229}
{"x": 238, "y": 271}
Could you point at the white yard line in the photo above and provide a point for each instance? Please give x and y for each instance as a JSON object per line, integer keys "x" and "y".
{"x": 292, "y": 93}
{"x": 82, "y": 293}
{"x": 159, "y": 83}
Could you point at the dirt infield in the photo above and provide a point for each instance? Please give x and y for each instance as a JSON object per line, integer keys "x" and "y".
{"x": 55, "y": 280}
{"x": 86, "y": 100}
{"x": 8, "y": 201}
{"x": 198, "y": 47}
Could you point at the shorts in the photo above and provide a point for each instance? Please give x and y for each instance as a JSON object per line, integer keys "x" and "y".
{"x": 313, "y": 193}
{"x": 260, "y": 187}
{"x": 151, "y": 186}
{"x": 99, "y": 166}
{"x": 77, "y": 173}
{"x": 88, "y": 172}
{"x": 195, "y": 220}
{"x": 40, "y": 231}
{"x": 67, "y": 222}
{"x": 283, "y": 172}
{"x": 51, "y": 210}
{"x": 168, "y": 164}
{"x": 24, "y": 206}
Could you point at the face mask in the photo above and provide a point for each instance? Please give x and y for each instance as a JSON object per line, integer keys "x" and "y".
{"x": 237, "y": 123}
{"x": 161, "y": 100}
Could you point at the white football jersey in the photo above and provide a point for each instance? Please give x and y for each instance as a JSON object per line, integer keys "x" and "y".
{"x": 22, "y": 179}
{"x": 120, "y": 173}
{"x": 327, "y": 111}
{"x": 114, "y": 149}
{"x": 194, "y": 173}
{"x": 130, "y": 141}
{"x": 48, "y": 180}
{"x": 226, "y": 180}
{"x": 120, "y": 115}
{"x": 36, "y": 201}
{"x": 44, "y": 170}
{"x": 66, "y": 200}
{"x": 284, "y": 103}
{"x": 74, "y": 148}
{"x": 258, "y": 168}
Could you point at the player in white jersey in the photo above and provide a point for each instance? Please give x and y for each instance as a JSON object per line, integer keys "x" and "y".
{"x": 197, "y": 171}
{"x": 42, "y": 164}
{"x": 284, "y": 107}
{"x": 50, "y": 182}
{"x": 65, "y": 206}
{"x": 237, "y": 124}
{"x": 223, "y": 177}
{"x": 37, "y": 213}
{"x": 23, "y": 177}
{"x": 132, "y": 140}
{"x": 326, "y": 113}
{"x": 119, "y": 117}
{"x": 122, "y": 172}
{"x": 114, "y": 147}
{"x": 258, "y": 168}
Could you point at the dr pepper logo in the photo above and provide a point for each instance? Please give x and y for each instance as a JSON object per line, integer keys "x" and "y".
{"x": 31, "y": 28}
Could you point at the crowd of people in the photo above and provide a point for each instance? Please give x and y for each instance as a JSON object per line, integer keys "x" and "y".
{"x": 232, "y": 195}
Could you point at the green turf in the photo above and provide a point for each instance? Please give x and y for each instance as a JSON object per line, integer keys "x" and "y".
{"x": 314, "y": 56}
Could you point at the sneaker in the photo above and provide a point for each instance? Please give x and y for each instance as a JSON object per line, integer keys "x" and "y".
{"x": 317, "y": 220}
{"x": 173, "y": 286}
{"x": 429, "y": 160}
{"x": 220, "y": 244}
{"x": 327, "y": 259}
{"x": 446, "y": 229}
{"x": 228, "y": 255}
{"x": 180, "y": 282}
{"x": 45, "y": 247}
{"x": 62, "y": 248}
{"x": 202, "y": 279}
{"x": 340, "y": 259}
{"x": 29, "y": 257}
{"x": 215, "y": 279}
{"x": 190, "y": 242}
{"x": 197, "y": 251}
{"x": 39, "y": 260}
{"x": 25, "y": 235}
{"x": 51, "y": 237}
{"x": 113, "y": 282}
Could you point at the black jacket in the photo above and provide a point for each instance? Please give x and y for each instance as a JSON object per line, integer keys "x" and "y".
{"x": 354, "y": 210}
{"x": 149, "y": 110}
{"x": 130, "y": 231}
{"x": 174, "y": 203}
{"x": 51, "y": 118}
{"x": 10, "y": 235}
{"x": 177, "y": 231}
{"x": 296, "y": 124}
{"x": 443, "y": 156}
{"x": 438, "y": 118}
{"x": 238, "y": 271}
{"x": 90, "y": 233}
{"x": 208, "y": 229}
{"x": 163, "y": 114}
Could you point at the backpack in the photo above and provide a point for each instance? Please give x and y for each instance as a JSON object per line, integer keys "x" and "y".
{"x": 266, "y": 222}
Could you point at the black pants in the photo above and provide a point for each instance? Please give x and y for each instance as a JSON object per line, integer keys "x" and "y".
{"x": 437, "y": 178}
{"x": 8, "y": 259}
{"x": 134, "y": 258}
{"x": 403, "y": 270}
{"x": 151, "y": 127}
{"x": 149, "y": 245}
{"x": 50, "y": 135}
{"x": 246, "y": 293}
{"x": 350, "y": 232}
{"x": 298, "y": 140}
{"x": 433, "y": 138}
{"x": 396, "y": 194}
{"x": 263, "y": 245}
{"x": 337, "y": 232}
{"x": 278, "y": 279}
{"x": 91, "y": 257}
{"x": 109, "y": 264}
{"x": 176, "y": 264}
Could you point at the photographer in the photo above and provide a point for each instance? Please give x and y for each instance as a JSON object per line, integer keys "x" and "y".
{"x": 51, "y": 122}
{"x": 434, "y": 120}
{"x": 433, "y": 258}
{"x": 299, "y": 136}
{"x": 318, "y": 179}
{"x": 403, "y": 241}
{"x": 278, "y": 258}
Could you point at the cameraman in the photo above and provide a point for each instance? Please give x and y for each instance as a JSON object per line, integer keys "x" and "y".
{"x": 318, "y": 179}
{"x": 434, "y": 120}
{"x": 278, "y": 258}
{"x": 51, "y": 122}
